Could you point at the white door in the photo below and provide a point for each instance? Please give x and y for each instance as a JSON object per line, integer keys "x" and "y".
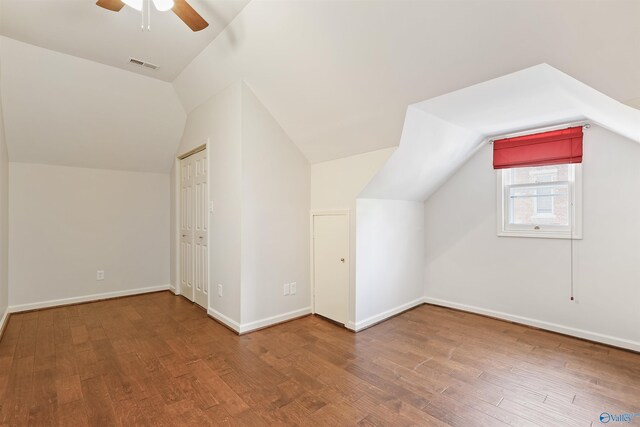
{"x": 331, "y": 266}
{"x": 200, "y": 230}
{"x": 186, "y": 227}
{"x": 194, "y": 225}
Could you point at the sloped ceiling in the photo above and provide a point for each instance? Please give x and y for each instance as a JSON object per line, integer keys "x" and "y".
{"x": 64, "y": 110}
{"x": 440, "y": 134}
{"x": 82, "y": 29}
{"x": 338, "y": 76}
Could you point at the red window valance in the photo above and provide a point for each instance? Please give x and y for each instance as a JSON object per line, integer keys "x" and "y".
{"x": 546, "y": 148}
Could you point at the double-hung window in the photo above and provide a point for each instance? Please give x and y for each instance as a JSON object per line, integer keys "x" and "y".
{"x": 539, "y": 184}
{"x": 542, "y": 201}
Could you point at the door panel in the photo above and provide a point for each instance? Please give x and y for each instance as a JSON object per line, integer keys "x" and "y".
{"x": 194, "y": 226}
{"x": 201, "y": 222}
{"x": 186, "y": 228}
{"x": 331, "y": 266}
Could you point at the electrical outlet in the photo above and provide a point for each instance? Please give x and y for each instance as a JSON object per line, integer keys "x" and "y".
{"x": 286, "y": 289}
{"x": 219, "y": 290}
{"x": 293, "y": 288}
{"x": 100, "y": 275}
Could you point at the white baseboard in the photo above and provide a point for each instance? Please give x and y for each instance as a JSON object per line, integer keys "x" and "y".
{"x": 85, "y": 298}
{"x": 173, "y": 289}
{"x": 3, "y": 321}
{"x": 567, "y": 330}
{"x": 224, "y": 319}
{"x": 273, "y": 320}
{"x": 370, "y": 321}
{"x": 258, "y": 324}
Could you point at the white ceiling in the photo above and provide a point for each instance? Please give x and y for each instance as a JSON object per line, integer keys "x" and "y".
{"x": 338, "y": 75}
{"x": 80, "y": 28}
{"x": 440, "y": 134}
{"x": 63, "y": 110}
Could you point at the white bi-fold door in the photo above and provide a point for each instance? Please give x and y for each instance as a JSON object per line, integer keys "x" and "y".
{"x": 194, "y": 226}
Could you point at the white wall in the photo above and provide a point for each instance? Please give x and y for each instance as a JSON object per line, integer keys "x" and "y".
{"x": 527, "y": 279}
{"x": 219, "y": 121}
{"x": 4, "y": 222}
{"x": 259, "y": 186}
{"x": 389, "y": 260}
{"x": 335, "y": 185}
{"x": 66, "y": 223}
{"x": 275, "y": 217}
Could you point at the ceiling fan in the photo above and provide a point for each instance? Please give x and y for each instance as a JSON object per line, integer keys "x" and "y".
{"x": 180, "y": 7}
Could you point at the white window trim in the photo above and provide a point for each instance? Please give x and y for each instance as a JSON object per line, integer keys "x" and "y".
{"x": 548, "y": 232}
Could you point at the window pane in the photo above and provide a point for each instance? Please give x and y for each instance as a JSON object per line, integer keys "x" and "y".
{"x": 544, "y": 204}
{"x": 539, "y": 204}
{"x": 537, "y": 174}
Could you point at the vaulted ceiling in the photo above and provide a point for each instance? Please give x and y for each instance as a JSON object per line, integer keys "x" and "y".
{"x": 80, "y": 28}
{"x": 440, "y": 134}
{"x": 337, "y": 75}
{"x": 64, "y": 110}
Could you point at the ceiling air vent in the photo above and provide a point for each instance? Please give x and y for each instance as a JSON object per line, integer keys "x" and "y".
{"x": 143, "y": 63}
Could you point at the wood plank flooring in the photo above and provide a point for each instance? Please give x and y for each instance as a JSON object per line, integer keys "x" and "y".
{"x": 156, "y": 359}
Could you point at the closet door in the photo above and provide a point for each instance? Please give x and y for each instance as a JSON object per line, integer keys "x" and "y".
{"x": 186, "y": 227}
{"x": 200, "y": 230}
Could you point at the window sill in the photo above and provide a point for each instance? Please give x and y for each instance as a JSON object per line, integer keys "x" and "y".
{"x": 540, "y": 235}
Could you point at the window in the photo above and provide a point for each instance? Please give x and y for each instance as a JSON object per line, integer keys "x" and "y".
{"x": 542, "y": 201}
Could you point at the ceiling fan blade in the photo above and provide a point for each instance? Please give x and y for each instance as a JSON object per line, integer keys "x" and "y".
{"x": 114, "y": 5}
{"x": 189, "y": 16}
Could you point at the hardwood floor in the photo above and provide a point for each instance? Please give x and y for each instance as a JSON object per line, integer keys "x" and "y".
{"x": 156, "y": 359}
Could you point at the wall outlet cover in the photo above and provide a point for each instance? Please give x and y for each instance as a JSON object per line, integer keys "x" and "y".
{"x": 294, "y": 288}
{"x": 285, "y": 289}
{"x": 219, "y": 290}
{"x": 100, "y": 275}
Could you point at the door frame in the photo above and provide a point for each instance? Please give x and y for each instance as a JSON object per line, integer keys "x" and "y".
{"x": 312, "y": 281}
{"x": 205, "y": 145}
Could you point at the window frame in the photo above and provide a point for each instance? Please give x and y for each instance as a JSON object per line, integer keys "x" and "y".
{"x": 543, "y": 231}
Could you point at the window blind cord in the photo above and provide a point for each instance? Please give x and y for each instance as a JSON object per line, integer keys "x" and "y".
{"x": 572, "y": 219}
{"x": 571, "y": 238}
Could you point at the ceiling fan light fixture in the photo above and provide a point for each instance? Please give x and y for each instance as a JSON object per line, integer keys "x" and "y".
{"x": 163, "y": 5}
{"x": 180, "y": 8}
{"x": 136, "y": 4}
